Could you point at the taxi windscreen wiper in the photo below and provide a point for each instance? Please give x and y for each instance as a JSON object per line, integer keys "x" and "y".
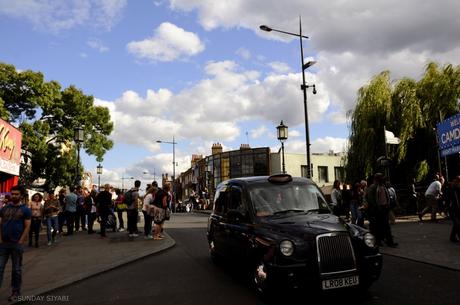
{"x": 288, "y": 211}
{"x": 319, "y": 211}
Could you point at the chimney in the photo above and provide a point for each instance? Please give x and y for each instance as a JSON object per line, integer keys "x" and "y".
{"x": 244, "y": 147}
{"x": 216, "y": 148}
{"x": 196, "y": 158}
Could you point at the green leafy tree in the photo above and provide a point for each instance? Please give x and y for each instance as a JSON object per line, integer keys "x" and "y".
{"x": 411, "y": 110}
{"x": 47, "y": 117}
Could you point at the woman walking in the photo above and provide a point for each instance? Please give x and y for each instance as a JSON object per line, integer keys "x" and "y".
{"x": 51, "y": 215}
{"x": 146, "y": 207}
{"x": 36, "y": 207}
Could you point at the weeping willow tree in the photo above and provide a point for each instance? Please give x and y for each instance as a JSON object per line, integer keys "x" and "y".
{"x": 410, "y": 109}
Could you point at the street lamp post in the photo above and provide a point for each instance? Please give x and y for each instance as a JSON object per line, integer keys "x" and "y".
{"x": 173, "y": 143}
{"x": 148, "y": 173}
{"x": 282, "y": 131}
{"x": 303, "y": 86}
{"x": 78, "y": 138}
{"x": 123, "y": 180}
{"x": 99, "y": 173}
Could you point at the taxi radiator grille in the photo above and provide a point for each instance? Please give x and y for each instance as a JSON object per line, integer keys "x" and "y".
{"x": 335, "y": 253}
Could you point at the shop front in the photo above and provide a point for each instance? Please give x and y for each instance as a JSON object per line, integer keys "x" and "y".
{"x": 10, "y": 156}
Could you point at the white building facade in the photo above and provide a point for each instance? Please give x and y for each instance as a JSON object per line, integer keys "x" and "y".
{"x": 326, "y": 167}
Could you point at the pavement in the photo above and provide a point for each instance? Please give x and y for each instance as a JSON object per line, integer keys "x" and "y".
{"x": 75, "y": 258}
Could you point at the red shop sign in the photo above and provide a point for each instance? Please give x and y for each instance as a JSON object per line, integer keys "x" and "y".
{"x": 10, "y": 148}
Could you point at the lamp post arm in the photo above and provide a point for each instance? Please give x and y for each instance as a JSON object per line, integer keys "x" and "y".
{"x": 292, "y": 34}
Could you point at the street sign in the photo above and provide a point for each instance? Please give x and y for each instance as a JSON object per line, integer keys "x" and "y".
{"x": 449, "y": 135}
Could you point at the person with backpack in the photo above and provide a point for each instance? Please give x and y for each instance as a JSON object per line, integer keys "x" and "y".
{"x": 131, "y": 198}
{"x": 160, "y": 204}
{"x": 120, "y": 207}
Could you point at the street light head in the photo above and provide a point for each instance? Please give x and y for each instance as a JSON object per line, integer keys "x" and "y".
{"x": 265, "y": 28}
{"x": 282, "y": 131}
{"x": 314, "y": 89}
{"x": 309, "y": 64}
{"x": 158, "y": 141}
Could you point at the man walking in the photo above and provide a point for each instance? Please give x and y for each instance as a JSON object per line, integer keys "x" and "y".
{"x": 131, "y": 198}
{"x": 104, "y": 203}
{"x": 15, "y": 218}
{"x": 70, "y": 210}
{"x": 432, "y": 195}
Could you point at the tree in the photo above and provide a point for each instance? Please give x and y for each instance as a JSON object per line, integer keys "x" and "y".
{"x": 47, "y": 117}
{"x": 411, "y": 110}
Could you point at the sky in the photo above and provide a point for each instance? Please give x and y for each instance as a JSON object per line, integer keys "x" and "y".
{"x": 203, "y": 72}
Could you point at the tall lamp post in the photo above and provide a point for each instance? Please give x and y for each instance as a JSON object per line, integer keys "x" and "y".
{"x": 282, "y": 131}
{"x": 303, "y": 86}
{"x": 173, "y": 143}
{"x": 99, "y": 173}
{"x": 78, "y": 138}
{"x": 148, "y": 173}
{"x": 123, "y": 180}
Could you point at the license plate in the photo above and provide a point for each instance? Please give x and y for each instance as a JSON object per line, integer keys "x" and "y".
{"x": 341, "y": 282}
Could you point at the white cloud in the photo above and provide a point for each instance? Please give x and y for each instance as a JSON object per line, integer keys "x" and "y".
{"x": 294, "y": 134}
{"x": 323, "y": 145}
{"x": 215, "y": 107}
{"x": 244, "y": 53}
{"x": 259, "y": 132}
{"x": 280, "y": 67}
{"x": 168, "y": 43}
{"x": 55, "y": 16}
{"x": 320, "y": 145}
{"x": 352, "y": 41}
{"x": 97, "y": 45}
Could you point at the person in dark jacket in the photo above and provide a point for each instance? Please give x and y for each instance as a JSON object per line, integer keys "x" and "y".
{"x": 453, "y": 197}
{"x": 378, "y": 208}
{"x": 104, "y": 203}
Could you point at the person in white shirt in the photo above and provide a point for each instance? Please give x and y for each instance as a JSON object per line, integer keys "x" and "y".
{"x": 432, "y": 195}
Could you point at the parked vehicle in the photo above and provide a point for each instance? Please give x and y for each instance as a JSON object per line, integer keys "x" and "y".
{"x": 284, "y": 230}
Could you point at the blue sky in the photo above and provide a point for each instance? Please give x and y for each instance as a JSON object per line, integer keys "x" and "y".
{"x": 202, "y": 71}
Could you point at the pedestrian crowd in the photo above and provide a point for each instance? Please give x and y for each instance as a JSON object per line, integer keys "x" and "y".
{"x": 76, "y": 210}
{"x": 376, "y": 201}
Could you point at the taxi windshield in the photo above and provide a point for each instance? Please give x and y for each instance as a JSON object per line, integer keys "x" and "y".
{"x": 275, "y": 199}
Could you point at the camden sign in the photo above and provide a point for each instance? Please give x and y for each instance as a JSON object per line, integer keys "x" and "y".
{"x": 449, "y": 135}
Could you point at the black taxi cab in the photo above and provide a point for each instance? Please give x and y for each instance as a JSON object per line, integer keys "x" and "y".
{"x": 283, "y": 229}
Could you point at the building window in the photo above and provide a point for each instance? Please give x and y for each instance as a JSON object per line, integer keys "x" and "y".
{"x": 339, "y": 173}
{"x": 225, "y": 168}
{"x": 322, "y": 174}
{"x": 303, "y": 171}
{"x": 261, "y": 164}
{"x": 247, "y": 165}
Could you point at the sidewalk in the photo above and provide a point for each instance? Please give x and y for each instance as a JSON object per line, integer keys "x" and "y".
{"x": 77, "y": 257}
{"x": 426, "y": 242}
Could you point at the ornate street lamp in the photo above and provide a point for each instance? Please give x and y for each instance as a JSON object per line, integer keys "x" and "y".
{"x": 282, "y": 131}
{"x": 78, "y": 139}
{"x": 99, "y": 173}
{"x": 303, "y": 86}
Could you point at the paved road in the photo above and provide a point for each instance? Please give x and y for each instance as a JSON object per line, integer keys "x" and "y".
{"x": 185, "y": 275}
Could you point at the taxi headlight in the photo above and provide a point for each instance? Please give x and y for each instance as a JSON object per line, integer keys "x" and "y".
{"x": 287, "y": 247}
{"x": 370, "y": 240}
